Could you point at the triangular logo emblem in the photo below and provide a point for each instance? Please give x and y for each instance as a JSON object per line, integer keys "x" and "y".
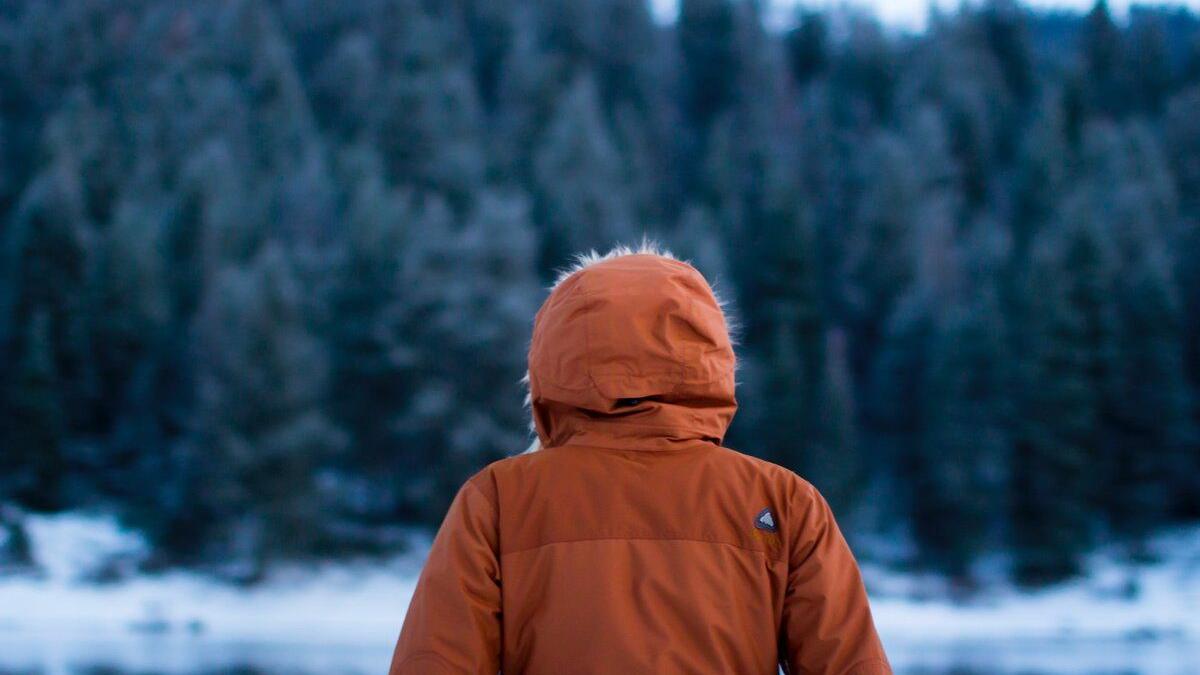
{"x": 765, "y": 520}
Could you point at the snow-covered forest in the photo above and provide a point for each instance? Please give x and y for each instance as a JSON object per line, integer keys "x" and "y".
{"x": 268, "y": 267}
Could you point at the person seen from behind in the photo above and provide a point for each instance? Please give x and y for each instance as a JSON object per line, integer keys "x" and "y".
{"x": 628, "y": 540}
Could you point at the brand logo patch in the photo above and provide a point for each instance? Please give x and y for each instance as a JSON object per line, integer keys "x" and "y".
{"x": 765, "y": 520}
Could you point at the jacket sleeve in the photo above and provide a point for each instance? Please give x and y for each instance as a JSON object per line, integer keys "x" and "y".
{"x": 827, "y": 627}
{"x": 453, "y": 622}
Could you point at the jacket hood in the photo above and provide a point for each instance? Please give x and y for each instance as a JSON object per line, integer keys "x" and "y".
{"x": 631, "y": 350}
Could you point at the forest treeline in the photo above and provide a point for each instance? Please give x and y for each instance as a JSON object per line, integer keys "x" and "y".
{"x": 269, "y": 267}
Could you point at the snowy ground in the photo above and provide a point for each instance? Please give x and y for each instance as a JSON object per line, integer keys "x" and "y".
{"x": 342, "y": 603}
{"x": 1113, "y": 601}
{"x": 343, "y": 619}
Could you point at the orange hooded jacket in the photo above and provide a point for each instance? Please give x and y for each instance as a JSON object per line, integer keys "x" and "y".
{"x": 632, "y": 542}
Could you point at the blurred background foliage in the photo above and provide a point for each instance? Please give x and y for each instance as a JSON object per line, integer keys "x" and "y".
{"x": 268, "y": 267}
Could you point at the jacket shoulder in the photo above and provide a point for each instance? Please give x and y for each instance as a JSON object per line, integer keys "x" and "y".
{"x": 786, "y": 486}
{"x": 486, "y": 479}
{"x": 778, "y": 475}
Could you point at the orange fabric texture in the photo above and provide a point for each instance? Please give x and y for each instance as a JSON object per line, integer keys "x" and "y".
{"x": 633, "y": 542}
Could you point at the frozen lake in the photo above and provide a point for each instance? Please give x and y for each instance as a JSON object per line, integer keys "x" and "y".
{"x": 22, "y": 653}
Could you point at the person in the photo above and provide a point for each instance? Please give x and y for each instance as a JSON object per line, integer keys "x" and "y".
{"x": 628, "y": 540}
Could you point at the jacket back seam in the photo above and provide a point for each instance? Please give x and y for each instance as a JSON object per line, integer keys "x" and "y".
{"x": 695, "y": 540}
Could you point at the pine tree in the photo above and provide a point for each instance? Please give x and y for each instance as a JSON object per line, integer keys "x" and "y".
{"x": 582, "y": 196}
{"x": 529, "y": 91}
{"x": 343, "y": 86}
{"x": 427, "y": 123}
{"x": 490, "y": 26}
{"x": 893, "y": 397}
{"x": 1103, "y": 48}
{"x": 128, "y": 308}
{"x": 1150, "y": 62}
{"x": 1066, "y": 381}
{"x": 1150, "y": 464}
{"x": 1183, "y": 146}
{"x": 863, "y": 75}
{"x": 880, "y": 259}
{"x": 1007, "y": 32}
{"x": 261, "y": 438}
{"x": 33, "y": 426}
{"x": 370, "y": 376}
{"x": 835, "y": 459}
{"x": 784, "y": 331}
{"x": 495, "y": 283}
{"x": 465, "y": 297}
{"x": 628, "y": 73}
{"x": 708, "y": 42}
{"x": 43, "y": 337}
{"x": 807, "y": 46}
{"x": 128, "y": 317}
{"x": 963, "y": 448}
{"x": 1145, "y": 416}
{"x": 1043, "y": 171}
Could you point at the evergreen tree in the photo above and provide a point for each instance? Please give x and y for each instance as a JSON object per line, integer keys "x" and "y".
{"x": 582, "y": 194}
{"x": 880, "y": 258}
{"x": 835, "y": 459}
{"x": 128, "y": 317}
{"x": 46, "y": 258}
{"x": 262, "y": 439}
{"x": 962, "y": 450}
{"x": 708, "y": 42}
{"x": 467, "y": 299}
{"x": 1043, "y": 171}
{"x": 807, "y": 46}
{"x": 863, "y": 75}
{"x": 529, "y": 90}
{"x": 892, "y": 402}
{"x": 490, "y": 28}
{"x": 1183, "y": 145}
{"x": 794, "y": 423}
{"x": 1148, "y": 383}
{"x": 1150, "y": 467}
{"x": 33, "y": 430}
{"x": 369, "y": 375}
{"x": 629, "y": 49}
{"x": 1104, "y": 59}
{"x": 127, "y": 306}
{"x": 495, "y": 283}
{"x": 1006, "y": 30}
{"x": 1149, "y": 61}
{"x": 427, "y": 122}
{"x": 1066, "y": 381}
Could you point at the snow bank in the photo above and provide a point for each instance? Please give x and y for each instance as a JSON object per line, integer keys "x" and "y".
{"x": 1112, "y": 601}
{"x": 344, "y": 603}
